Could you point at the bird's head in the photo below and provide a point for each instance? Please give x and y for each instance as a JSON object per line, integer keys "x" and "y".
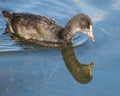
{"x": 85, "y": 26}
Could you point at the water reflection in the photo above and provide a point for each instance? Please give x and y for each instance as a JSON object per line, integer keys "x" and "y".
{"x": 116, "y": 5}
{"x": 81, "y": 72}
{"x": 95, "y": 13}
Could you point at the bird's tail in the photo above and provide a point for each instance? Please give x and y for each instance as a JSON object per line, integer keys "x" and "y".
{"x": 7, "y": 15}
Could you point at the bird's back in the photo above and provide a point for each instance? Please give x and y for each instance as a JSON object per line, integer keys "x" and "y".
{"x": 32, "y": 27}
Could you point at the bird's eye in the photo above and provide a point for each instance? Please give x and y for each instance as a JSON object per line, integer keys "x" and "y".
{"x": 88, "y": 26}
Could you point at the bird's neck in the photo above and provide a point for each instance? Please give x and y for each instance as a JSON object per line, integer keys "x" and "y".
{"x": 68, "y": 33}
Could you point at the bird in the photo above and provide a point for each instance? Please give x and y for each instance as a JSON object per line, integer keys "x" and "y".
{"x": 45, "y": 31}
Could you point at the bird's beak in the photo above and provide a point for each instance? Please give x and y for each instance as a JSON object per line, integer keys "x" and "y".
{"x": 90, "y": 34}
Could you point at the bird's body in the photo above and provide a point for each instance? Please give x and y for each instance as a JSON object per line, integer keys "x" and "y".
{"x": 42, "y": 30}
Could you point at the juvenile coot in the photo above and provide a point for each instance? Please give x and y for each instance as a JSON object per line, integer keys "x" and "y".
{"x": 45, "y": 31}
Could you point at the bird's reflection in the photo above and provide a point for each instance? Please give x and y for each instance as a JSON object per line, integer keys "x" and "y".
{"x": 81, "y": 72}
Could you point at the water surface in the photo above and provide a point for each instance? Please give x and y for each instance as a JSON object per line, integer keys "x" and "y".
{"x": 44, "y": 72}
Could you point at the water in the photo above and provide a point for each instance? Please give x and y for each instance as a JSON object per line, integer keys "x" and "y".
{"x": 45, "y": 72}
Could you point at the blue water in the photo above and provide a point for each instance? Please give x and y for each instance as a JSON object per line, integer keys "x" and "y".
{"x": 43, "y": 72}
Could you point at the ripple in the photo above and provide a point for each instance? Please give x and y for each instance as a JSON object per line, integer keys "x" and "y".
{"x": 79, "y": 39}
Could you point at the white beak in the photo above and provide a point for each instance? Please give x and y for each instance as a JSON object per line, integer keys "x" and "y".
{"x": 90, "y": 34}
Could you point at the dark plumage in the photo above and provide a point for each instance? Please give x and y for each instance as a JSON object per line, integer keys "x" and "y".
{"x": 81, "y": 72}
{"x": 45, "y": 31}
